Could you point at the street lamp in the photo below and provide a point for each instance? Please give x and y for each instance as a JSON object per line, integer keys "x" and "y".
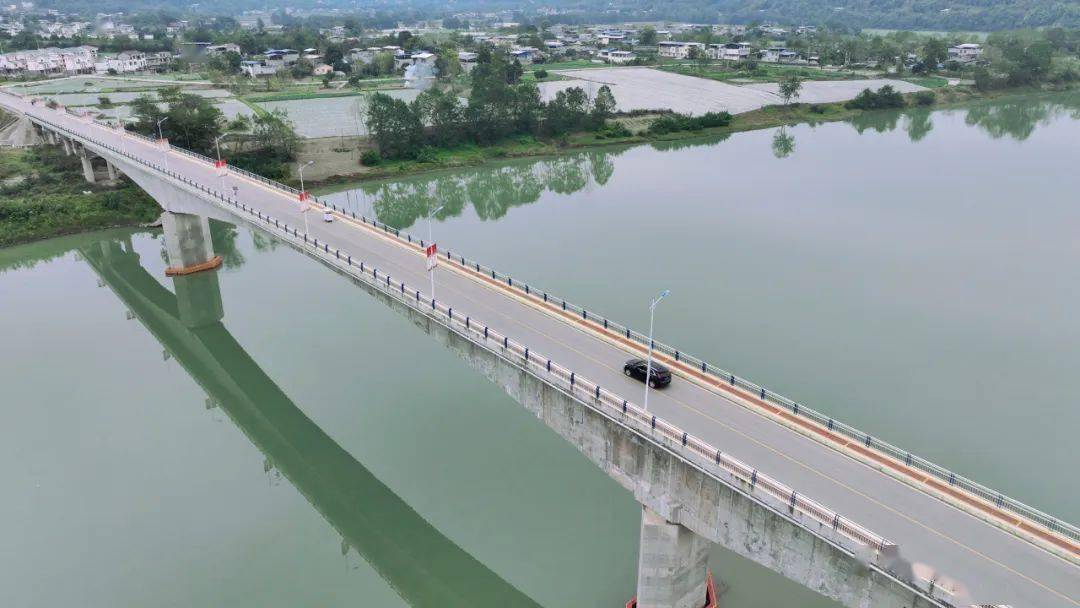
{"x": 648, "y": 366}
{"x": 218, "y": 167}
{"x": 310, "y": 162}
{"x": 431, "y": 241}
{"x": 123, "y": 131}
{"x": 303, "y": 195}
{"x": 159, "y": 135}
{"x": 161, "y": 139}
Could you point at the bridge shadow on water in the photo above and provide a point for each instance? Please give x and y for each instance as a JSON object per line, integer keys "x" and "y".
{"x": 424, "y": 567}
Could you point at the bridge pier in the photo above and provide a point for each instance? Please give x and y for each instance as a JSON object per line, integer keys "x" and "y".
{"x": 87, "y": 165}
{"x": 188, "y": 244}
{"x": 68, "y": 146}
{"x": 672, "y": 564}
{"x": 111, "y": 168}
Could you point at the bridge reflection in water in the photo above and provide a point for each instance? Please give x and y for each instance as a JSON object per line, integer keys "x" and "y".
{"x": 423, "y": 566}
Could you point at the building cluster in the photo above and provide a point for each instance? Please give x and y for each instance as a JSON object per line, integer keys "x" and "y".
{"x": 79, "y": 60}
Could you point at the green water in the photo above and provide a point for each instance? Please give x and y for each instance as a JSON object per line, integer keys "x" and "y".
{"x": 913, "y": 275}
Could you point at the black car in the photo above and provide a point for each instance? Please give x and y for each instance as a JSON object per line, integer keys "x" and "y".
{"x": 660, "y": 376}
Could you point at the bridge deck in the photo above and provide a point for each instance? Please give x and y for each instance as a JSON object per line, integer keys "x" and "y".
{"x": 994, "y": 565}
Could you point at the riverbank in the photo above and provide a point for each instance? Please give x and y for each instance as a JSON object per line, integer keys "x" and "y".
{"x": 43, "y": 195}
{"x": 471, "y": 155}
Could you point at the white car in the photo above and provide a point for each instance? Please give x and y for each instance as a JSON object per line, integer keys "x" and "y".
{"x": 327, "y": 216}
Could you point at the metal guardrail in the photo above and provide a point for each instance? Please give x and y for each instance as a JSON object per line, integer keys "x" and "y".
{"x": 720, "y": 375}
{"x": 603, "y": 400}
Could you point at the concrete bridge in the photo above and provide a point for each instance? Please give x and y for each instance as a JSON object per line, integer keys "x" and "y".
{"x": 715, "y": 458}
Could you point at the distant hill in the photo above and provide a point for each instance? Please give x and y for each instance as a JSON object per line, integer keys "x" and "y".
{"x": 956, "y": 15}
{"x": 972, "y": 15}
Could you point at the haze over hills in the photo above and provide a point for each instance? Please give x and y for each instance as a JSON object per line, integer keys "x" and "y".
{"x": 968, "y": 15}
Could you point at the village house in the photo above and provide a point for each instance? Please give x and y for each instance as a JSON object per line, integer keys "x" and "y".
{"x": 221, "y": 49}
{"x": 616, "y": 56}
{"x": 525, "y": 54}
{"x": 731, "y": 51}
{"x": 677, "y": 50}
{"x": 73, "y": 60}
{"x": 965, "y": 53}
{"x": 124, "y": 62}
{"x": 778, "y": 54}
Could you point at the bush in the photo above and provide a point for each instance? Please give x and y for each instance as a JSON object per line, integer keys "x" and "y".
{"x": 817, "y": 109}
{"x": 681, "y": 122}
{"x": 614, "y": 130}
{"x": 261, "y": 163}
{"x": 427, "y": 154}
{"x": 885, "y": 97}
{"x": 540, "y": 74}
{"x": 925, "y": 98}
{"x": 370, "y": 158}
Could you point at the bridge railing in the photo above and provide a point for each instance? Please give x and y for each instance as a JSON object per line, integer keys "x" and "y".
{"x": 782, "y": 498}
{"x": 691, "y": 364}
{"x": 748, "y": 389}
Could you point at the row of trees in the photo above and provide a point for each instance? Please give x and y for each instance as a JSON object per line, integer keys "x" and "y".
{"x": 264, "y": 143}
{"x": 499, "y": 106}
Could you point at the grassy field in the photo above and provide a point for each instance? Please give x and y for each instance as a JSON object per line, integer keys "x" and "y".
{"x": 763, "y": 72}
{"x": 48, "y": 197}
{"x": 565, "y": 65}
{"x": 930, "y": 82}
{"x": 260, "y": 97}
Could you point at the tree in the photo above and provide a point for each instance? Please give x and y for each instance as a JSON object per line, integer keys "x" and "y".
{"x": 648, "y": 36}
{"x": 302, "y": 69}
{"x": 228, "y": 62}
{"x": 447, "y": 65}
{"x": 567, "y": 112}
{"x": 273, "y": 132}
{"x": 444, "y": 113}
{"x": 603, "y": 107}
{"x": 790, "y": 85}
{"x": 193, "y": 122}
{"x": 490, "y": 115}
{"x": 698, "y": 55}
{"x": 395, "y": 127}
{"x": 514, "y": 72}
{"x": 934, "y": 53}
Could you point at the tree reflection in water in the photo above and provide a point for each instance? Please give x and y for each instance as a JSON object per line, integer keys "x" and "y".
{"x": 1018, "y": 118}
{"x": 492, "y": 191}
{"x": 783, "y": 143}
{"x": 918, "y": 124}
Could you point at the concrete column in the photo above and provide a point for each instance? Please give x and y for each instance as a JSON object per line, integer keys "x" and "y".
{"x": 187, "y": 242}
{"x": 672, "y": 564}
{"x": 87, "y": 165}
{"x": 112, "y": 171}
{"x": 68, "y": 149}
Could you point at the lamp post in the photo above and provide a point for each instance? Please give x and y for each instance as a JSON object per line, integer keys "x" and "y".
{"x": 304, "y": 204}
{"x": 431, "y": 241}
{"x": 648, "y": 366}
{"x": 301, "y": 169}
{"x": 161, "y": 138}
{"x": 123, "y": 131}
{"x": 219, "y": 167}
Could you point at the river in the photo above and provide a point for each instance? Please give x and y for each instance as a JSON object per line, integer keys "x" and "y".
{"x": 911, "y": 274}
